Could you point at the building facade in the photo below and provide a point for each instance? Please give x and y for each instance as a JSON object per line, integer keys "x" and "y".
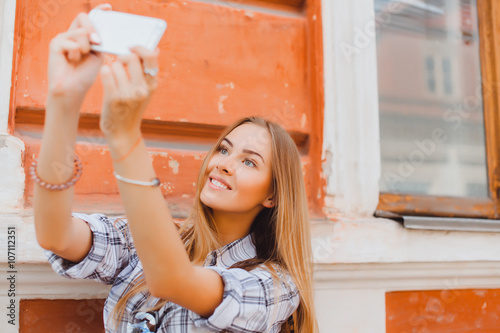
{"x": 323, "y": 70}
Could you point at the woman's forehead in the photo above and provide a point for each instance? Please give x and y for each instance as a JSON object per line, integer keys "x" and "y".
{"x": 250, "y": 135}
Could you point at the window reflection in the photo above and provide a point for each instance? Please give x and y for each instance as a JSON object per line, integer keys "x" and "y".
{"x": 431, "y": 110}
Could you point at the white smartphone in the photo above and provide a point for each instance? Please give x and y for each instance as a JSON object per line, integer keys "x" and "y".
{"x": 119, "y": 31}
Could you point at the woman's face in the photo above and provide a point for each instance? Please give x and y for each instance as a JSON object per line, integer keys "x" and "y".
{"x": 239, "y": 173}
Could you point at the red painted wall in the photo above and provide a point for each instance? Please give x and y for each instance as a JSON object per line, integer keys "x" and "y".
{"x": 62, "y": 315}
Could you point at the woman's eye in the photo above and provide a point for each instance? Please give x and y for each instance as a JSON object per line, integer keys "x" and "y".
{"x": 222, "y": 150}
{"x": 252, "y": 163}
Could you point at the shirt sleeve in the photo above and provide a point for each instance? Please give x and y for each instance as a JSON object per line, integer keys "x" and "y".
{"x": 251, "y": 302}
{"x": 112, "y": 247}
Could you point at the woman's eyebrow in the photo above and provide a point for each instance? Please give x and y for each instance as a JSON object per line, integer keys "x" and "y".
{"x": 247, "y": 151}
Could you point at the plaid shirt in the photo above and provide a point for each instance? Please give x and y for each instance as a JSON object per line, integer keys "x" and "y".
{"x": 251, "y": 303}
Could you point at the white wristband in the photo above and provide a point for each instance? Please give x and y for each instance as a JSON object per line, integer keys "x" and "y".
{"x": 155, "y": 182}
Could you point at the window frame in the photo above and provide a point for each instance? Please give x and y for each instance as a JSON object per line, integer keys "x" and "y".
{"x": 293, "y": 3}
{"x": 489, "y": 49}
{"x": 298, "y": 4}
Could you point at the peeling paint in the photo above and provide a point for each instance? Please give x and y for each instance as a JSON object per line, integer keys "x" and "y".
{"x": 436, "y": 309}
{"x": 303, "y": 120}
{"x": 183, "y": 120}
{"x": 226, "y": 85}
{"x": 157, "y": 118}
{"x": 480, "y": 293}
{"x": 249, "y": 14}
{"x": 174, "y": 165}
{"x": 221, "y": 105}
{"x": 11, "y": 172}
{"x": 168, "y": 187}
{"x": 327, "y": 164}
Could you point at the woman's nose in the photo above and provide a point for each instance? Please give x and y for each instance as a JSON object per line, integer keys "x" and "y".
{"x": 226, "y": 165}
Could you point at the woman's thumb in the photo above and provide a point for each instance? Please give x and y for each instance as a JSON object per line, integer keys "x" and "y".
{"x": 108, "y": 81}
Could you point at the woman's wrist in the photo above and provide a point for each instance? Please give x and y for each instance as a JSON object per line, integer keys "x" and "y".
{"x": 120, "y": 145}
{"x": 62, "y": 110}
{"x": 67, "y": 99}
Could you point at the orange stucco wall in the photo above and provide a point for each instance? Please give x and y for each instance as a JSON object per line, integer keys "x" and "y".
{"x": 443, "y": 311}
{"x": 218, "y": 63}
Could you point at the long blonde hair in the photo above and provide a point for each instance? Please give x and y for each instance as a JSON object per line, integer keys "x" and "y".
{"x": 281, "y": 233}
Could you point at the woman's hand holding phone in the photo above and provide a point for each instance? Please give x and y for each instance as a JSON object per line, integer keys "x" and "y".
{"x": 128, "y": 82}
{"x": 72, "y": 67}
{"x": 127, "y": 91}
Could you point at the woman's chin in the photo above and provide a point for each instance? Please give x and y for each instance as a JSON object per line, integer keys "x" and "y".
{"x": 205, "y": 199}
{"x": 210, "y": 203}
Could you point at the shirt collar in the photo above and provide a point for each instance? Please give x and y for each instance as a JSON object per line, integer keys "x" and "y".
{"x": 229, "y": 254}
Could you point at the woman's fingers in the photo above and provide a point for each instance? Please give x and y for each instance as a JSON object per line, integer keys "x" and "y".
{"x": 127, "y": 91}
{"x": 149, "y": 58}
{"x": 121, "y": 76}
{"x": 80, "y": 36}
{"x": 66, "y": 46}
{"x": 108, "y": 80}
{"x": 149, "y": 61}
{"x": 134, "y": 67}
{"x": 104, "y": 6}
{"x": 72, "y": 43}
{"x": 125, "y": 83}
{"x": 82, "y": 21}
{"x": 83, "y": 32}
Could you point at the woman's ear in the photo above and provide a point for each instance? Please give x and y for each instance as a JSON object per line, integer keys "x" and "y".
{"x": 269, "y": 202}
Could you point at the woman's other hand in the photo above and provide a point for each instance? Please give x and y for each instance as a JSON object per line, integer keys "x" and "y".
{"x": 127, "y": 91}
{"x": 72, "y": 67}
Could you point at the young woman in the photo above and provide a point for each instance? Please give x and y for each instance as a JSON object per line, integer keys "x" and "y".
{"x": 241, "y": 262}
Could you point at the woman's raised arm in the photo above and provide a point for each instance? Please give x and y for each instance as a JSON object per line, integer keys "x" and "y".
{"x": 72, "y": 69}
{"x": 128, "y": 85}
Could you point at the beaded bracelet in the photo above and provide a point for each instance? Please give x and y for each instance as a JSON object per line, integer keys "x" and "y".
{"x": 57, "y": 187}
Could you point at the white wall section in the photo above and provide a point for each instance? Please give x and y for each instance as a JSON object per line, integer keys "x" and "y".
{"x": 351, "y": 145}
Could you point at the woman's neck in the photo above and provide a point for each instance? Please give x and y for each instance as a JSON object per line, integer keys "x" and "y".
{"x": 233, "y": 226}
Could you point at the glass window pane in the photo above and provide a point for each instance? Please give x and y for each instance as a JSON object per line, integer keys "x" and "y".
{"x": 431, "y": 109}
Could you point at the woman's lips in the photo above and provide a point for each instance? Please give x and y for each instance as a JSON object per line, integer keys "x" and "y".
{"x": 215, "y": 186}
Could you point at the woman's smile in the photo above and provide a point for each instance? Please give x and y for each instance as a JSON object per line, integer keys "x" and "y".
{"x": 216, "y": 184}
